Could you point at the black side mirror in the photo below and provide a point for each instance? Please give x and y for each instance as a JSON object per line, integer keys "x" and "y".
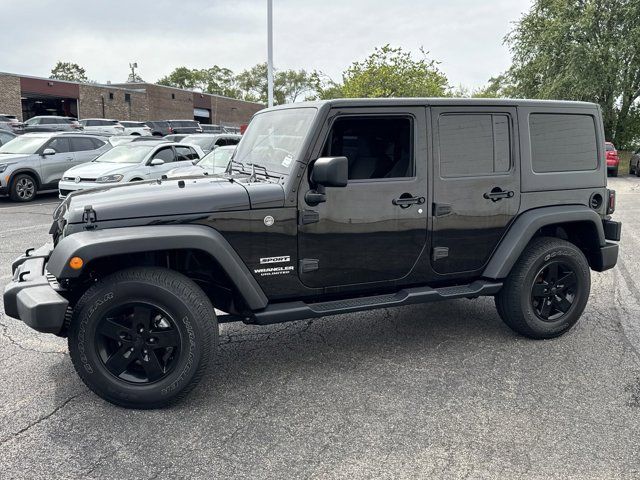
{"x": 327, "y": 172}
{"x": 331, "y": 172}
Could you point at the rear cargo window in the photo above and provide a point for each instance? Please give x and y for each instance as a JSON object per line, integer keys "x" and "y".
{"x": 474, "y": 144}
{"x": 563, "y": 142}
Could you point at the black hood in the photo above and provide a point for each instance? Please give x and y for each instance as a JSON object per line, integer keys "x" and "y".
{"x": 186, "y": 196}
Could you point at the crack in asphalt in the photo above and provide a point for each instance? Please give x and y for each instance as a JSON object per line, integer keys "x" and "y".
{"x": 4, "y": 332}
{"x": 59, "y": 407}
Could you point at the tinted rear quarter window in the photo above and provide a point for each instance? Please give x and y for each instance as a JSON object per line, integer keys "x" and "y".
{"x": 563, "y": 142}
{"x": 79, "y": 144}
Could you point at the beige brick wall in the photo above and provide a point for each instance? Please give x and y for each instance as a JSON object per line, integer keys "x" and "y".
{"x": 230, "y": 112}
{"x": 93, "y": 96}
{"x": 10, "y": 95}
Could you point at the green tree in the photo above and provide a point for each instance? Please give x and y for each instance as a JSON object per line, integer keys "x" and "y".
{"x": 181, "y": 77}
{"x": 390, "y": 72}
{"x": 288, "y": 85}
{"x": 69, "y": 71}
{"x": 582, "y": 50}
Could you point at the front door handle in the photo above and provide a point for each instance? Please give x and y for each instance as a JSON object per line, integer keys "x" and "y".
{"x": 406, "y": 200}
{"x": 497, "y": 194}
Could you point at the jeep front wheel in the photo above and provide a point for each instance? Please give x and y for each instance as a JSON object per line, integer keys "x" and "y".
{"x": 547, "y": 289}
{"x": 143, "y": 337}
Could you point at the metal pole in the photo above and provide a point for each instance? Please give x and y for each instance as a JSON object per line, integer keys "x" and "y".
{"x": 270, "y": 52}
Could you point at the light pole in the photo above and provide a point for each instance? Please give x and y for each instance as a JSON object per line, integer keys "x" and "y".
{"x": 270, "y": 53}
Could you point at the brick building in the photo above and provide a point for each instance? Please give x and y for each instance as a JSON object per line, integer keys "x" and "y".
{"x": 26, "y": 97}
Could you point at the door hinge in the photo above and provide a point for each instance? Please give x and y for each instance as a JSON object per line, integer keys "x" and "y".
{"x": 440, "y": 253}
{"x": 309, "y": 216}
{"x": 309, "y": 265}
{"x": 441, "y": 209}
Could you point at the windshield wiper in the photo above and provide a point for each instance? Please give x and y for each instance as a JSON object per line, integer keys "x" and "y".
{"x": 233, "y": 162}
{"x": 264, "y": 171}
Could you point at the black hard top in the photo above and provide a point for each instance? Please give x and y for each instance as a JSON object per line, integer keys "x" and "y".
{"x": 435, "y": 101}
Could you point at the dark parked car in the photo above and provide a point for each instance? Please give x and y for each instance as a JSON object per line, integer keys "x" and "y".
{"x": 6, "y": 136}
{"x": 51, "y": 123}
{"x": 11, "y": 123}
{"x": 634, "y": 163}
{"x": 327, "y": 208}
{"x": 185, "y": 126}
{"x": 159, "y": 128}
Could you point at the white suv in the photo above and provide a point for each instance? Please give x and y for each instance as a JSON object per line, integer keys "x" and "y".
{"x": 130, "y": 162}
{"x": 102, "y": 125}
{"x": 136, "y": 128}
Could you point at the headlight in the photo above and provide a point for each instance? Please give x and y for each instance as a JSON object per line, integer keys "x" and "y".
{"x": 3, "y": 168}
{"x": 109, "y": 179}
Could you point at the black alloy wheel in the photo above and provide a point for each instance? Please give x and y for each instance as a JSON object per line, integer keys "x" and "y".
{"x": 554, "y": 291}
{"x": 138, "y": 342}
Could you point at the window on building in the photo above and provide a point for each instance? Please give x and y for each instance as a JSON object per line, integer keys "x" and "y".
{"x": 563, "y": 142}
{"x": 377, "y": 147}
{"x": 173, "y": 96}
{"x": 110, "y": 95}
{"x": 127, "y": 97}
{"x": 474, "y": 144}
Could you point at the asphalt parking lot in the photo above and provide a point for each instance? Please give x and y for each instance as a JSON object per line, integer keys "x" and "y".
{"x": 434, "y": 391}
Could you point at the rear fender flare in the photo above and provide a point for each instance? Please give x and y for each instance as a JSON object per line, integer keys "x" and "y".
{"x": 524, "y": 228}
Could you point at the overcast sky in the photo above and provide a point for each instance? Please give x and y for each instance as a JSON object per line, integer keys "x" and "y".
{"x": 103, "y": 37}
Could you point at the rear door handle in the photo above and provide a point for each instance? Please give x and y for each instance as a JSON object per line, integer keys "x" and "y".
{"x": 498, "y": 194}
{"x": 406, "y": 201}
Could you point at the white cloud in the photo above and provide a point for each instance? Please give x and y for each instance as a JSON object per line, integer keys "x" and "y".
{"x": 103, "y": 37}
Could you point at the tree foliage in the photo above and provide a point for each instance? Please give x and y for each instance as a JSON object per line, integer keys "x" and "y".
{"x": 388, "y": 72}
{"x": 215, "y": 80}
{"x": 71, "y": 72}
{"x": 582, "y": 50}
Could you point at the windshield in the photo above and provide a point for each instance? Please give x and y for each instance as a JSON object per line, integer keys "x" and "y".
{"x": 200, "y": 140}
{"x": 125, "y": 154}
{"x": 274, "y": 138}
{"x": 217, "y": 160}
{"x": 24, "y": 145}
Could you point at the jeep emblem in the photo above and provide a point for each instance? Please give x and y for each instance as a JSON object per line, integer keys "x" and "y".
{"x": 268, "y": 220}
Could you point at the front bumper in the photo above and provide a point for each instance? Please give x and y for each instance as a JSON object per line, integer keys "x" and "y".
{"x": 33, "y": 294}
{"x": 65, "y": 187}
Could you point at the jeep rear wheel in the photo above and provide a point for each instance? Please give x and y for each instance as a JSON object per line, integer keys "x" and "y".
{"x": 23, "y": 188}
{"x": 143, "y": 337}
{"x": 547, "y": 289}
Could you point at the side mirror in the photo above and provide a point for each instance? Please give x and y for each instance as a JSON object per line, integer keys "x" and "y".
{"x": 331, "y": 172}
{"x": 48, "y": 151}
{"x": 327, "y": 172}
{"x": 156, "y": 162}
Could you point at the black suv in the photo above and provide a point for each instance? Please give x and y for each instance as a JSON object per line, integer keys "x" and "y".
{"x": 326, "y": 208}
{"x": 185, "y": 126}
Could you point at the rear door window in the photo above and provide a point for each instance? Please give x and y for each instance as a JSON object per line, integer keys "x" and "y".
{"x": 186, "y": 153}
{"x": 474, "y": 144}
{"x": 563, "y": 142}
{"x": 79, "y": 144}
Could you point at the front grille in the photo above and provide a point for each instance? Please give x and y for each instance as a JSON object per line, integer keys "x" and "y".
{"x": 73, "y": 179}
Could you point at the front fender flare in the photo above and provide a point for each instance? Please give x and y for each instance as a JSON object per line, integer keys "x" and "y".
{"x": 91, "y": 245}
{"x": 525, "y": 227}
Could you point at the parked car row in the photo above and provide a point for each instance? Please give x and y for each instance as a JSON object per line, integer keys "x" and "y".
{"x": 70, "y": 161}
{"x": 160, "y": 128}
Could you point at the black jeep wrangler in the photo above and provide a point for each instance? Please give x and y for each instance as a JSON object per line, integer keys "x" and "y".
{"x": 327, "y": 208}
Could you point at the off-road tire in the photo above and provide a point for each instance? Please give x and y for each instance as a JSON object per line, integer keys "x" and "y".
{"x": 23, "y": 188}
{"x": 614, "y": 172}
{"x": 194, "y": 320}
{"x": 514, "y": 302}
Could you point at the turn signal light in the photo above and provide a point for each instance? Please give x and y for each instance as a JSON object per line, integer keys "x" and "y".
{"x": 76, "y": 263}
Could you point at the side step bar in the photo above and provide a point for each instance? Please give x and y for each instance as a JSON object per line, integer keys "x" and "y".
{"x": 289, "y": 311}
